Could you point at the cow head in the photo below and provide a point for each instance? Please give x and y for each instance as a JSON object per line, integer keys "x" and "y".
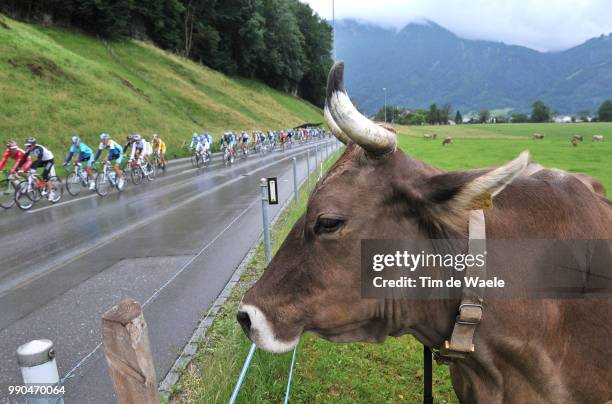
{"x": 374, "y": 191}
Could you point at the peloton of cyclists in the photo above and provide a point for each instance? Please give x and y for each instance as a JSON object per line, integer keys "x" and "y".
{"x": 115, "y": 155}
{"x": 84, "y": 155}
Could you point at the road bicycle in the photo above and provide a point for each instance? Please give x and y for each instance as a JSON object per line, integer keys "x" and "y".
{"x": 77, "y": 179}
{"x": 156, "y": 159}
{"x": 32, "y": 189}
{"x": 107, "y": 179}
{"x": 7, "y": 190}
{"x": 228, "y": 156}
{"x": 140, "y": 170}
{"x": 200, "y": 160}
{"x": 244, "y": 150}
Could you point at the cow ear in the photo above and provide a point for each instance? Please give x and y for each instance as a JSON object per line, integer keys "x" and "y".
{"x": 450, "y": 196}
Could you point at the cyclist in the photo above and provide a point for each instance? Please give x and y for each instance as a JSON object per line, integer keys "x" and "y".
{"x": 159, "y": 147}
{"x": 15, "y": 153}
{"x": 140, "y": 148}
{"x": 84, "y": 155}
{"x": 115, "y": 155}
{"x": 282, "y": 136}
{"x": 229, "y": 140}
{"x": 44, "y": 158}
{"x": 206, "y": 140}
{"x": 244, "y": 142}
{"x": 197, "y": 145}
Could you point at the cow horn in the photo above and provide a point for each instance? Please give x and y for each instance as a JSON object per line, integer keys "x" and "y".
{"x": 371, "y": 137}
{"x": 333, "y": 126}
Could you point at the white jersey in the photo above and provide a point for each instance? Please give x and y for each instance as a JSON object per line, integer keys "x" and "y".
{"x": 144, "y": 147}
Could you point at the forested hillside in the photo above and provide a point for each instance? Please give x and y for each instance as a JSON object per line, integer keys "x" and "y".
{"x": 280, "y": 42}
{"x": 56, "y": 83}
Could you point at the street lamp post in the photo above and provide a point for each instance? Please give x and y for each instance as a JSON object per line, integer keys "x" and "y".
{"x": 385, "y": 90}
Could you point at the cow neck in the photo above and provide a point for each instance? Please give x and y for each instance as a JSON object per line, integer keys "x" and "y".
{"x": 461, "y": 342}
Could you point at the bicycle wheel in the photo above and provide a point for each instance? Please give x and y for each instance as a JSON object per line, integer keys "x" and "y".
{"x": 102, "y": 184}
{"x": 136, "y": 175}
{"x": 7, "y": 193}
{"x": 194, "y": 160}
{"x": 151, "y": 171}
{"x": 199, "y": 160}
{"x": 57, "y": 188}
{"x": 74, "y": 183}
{"x": 22, "y": 199}
{"x": 206, "y": 160}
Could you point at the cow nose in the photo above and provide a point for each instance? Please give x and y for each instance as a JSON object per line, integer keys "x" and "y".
{"x": 245, "y": 322}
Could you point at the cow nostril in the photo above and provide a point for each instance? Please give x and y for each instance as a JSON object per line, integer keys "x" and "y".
{"x": 245, "y": 322}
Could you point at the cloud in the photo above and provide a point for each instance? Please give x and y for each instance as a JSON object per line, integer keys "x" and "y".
{"x": 546, "y": 25}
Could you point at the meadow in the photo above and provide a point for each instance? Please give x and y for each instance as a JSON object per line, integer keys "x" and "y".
{"x": 56, "y": 83}
{"x": 392, "y": 371}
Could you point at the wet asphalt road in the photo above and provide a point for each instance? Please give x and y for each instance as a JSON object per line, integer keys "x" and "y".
{"x": 172, "y": 244}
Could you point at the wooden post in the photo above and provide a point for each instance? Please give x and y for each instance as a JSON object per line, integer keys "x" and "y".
{"x": 128, "y": 353}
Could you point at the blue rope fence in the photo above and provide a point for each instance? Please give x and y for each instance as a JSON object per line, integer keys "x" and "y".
{"x": 245, "y": 368}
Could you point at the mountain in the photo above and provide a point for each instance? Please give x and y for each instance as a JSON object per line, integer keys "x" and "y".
{"x": 425, "y": 63}
{"x": 56, "y": 83}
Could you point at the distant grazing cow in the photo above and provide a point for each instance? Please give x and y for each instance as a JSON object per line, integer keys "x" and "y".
{"x": 578, "y": 138}
{"x": 574, "y": 142}
{"x": 598, "y": 138}
{"x": 447, "y": 140}
{"x": 434, "y": 136}
{"x": 428, "y": 136}
{"x": 524, "y": 351}
{"x": 538, "y": 136}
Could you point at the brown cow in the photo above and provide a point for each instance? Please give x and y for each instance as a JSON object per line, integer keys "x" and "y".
{"x": 447, "y": 140}
{"x": 538, "y": 136}
{"x": 526, "y": 351}
{"x": 579, "y": 138}
{"x": 574, "y": 142}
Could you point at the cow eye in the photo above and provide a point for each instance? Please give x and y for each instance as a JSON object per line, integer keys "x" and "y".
{"x": 328, "y": 225}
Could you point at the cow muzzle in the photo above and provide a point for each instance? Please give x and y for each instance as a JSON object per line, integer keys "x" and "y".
{"x": 259, "y": 330}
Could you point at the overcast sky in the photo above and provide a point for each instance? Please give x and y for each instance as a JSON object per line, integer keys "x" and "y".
{"x": 539, "y": 24}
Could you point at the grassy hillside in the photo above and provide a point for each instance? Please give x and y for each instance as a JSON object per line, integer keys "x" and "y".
{"x": 55, "y": 83}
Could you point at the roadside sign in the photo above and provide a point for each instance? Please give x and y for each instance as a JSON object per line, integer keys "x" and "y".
{"x": 272, "y": 191}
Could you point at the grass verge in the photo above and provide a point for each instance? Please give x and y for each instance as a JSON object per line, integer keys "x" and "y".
{"x": 324, "y": 372}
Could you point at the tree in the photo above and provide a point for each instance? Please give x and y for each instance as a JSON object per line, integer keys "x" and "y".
{"x": 604, "y": 113}
{"x": 484, "y": 115}
{"x": 433, "y": 116}
{"x": 519, "y": 117}
{"x": 458, "y": 118}
{"x": 540, "y": 112}
{"x": 584, "y": 115}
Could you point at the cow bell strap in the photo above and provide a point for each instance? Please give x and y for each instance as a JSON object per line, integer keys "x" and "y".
{"x": 461, "y": 341}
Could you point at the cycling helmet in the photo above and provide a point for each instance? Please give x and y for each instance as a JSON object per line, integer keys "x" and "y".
{"x": 30, "y": 141}
{"x": 136, "y": 138}
{"x": 11, "y": 144}
{"x": 104, "y": 136}
{"x": 75, "y": 139}
{"x": 155, "y": 136}
{"x": 194, "y": 136}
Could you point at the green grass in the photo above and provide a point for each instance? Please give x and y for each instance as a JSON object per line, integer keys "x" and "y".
{"x": 489, "y": 145}
{"x": 56, "y": 83}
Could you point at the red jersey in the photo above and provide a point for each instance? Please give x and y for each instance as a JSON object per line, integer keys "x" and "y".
{"x": 16, "y": 154}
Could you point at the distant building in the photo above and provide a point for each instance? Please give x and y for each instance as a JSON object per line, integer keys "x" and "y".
{"x": 563, "y": 119}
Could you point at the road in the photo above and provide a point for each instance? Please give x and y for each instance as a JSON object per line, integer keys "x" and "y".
{"x": 172, "y": 244}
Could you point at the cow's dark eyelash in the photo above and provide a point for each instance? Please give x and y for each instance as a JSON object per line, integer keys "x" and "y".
{"x": 328, "y": 225}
